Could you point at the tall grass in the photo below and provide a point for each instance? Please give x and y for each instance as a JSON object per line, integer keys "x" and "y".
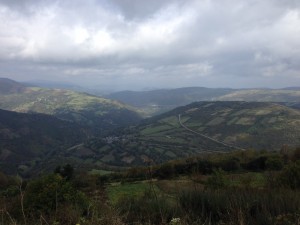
{"x": 242, "y": 206}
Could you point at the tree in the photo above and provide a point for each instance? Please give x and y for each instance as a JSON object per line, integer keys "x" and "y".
{"x": 47, "y": 193}
{"x": 66, "y": 172}
{"x": 290, "y": 176}
{"x": 274, "y": 163}
{"x": 217, "y": 180}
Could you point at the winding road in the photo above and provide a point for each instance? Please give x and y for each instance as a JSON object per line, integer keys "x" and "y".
{"x": 205, "y": 136}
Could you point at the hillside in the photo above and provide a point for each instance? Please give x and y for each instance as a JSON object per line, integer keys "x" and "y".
{"x": 99, "y": 113}
{"x": 8, "y": 86}
{"x": 158, "y": 101}
{"x": 203, "y": 127}
{"x": 29, "y": 139}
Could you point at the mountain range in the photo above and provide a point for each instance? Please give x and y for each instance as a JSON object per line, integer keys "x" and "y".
{"x": 157, "y": 101}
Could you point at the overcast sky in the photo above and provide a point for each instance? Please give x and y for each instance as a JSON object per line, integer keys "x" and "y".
{"x": 136, "y": 44}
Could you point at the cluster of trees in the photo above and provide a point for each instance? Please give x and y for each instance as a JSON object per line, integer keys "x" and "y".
{"x": 239, "y": 161}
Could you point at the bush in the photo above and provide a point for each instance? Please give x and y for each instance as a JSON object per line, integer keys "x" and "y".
{"x": 232, "y": 164}
{"x": 165, "y": 171}
{"x": 274, "y": 163}
{"x": 217, "y": 180}
{"x": 258, "y": 164}
{"x": 290, "y": 176}
{"x": 50, "y": 193}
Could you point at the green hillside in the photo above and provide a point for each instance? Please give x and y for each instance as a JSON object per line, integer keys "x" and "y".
{"x": 99, "y": 113}
{"x": 29, "y": 139}
{"x": 206, "y": 127}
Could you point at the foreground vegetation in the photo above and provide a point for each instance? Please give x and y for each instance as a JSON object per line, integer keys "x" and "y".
{"x": 243, "y": 187}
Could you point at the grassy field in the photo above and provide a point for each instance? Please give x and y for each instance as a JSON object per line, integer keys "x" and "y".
{"x": 117, "y": 191}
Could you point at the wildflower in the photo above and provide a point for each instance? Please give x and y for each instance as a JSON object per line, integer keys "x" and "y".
{"x": 175, "y": 221}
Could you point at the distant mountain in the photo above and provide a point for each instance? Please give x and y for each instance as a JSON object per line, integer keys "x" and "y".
{"x": 293, "y": 105}
{"x": 96, "y": 112}
{"x": 292, "y": 88}
{"x": 8, "y": 86}
{"x": 196, "y": 128}
{"x": 158, "y": 101}
{"x": 263, "y": 95}
{"x": 55, "y": 85}
{"x": 29, "y": 139}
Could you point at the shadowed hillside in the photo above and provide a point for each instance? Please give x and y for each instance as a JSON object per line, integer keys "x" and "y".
{"x": 27, "y": 139}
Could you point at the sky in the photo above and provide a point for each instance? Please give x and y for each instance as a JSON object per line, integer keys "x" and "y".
{"x": 139, "y": 44}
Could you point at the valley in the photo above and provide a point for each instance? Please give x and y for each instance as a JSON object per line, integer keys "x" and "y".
{"x": 110, "y": 135}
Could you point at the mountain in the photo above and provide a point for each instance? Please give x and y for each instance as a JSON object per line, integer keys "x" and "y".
{"x": 158, "y": 101}
{"x": 99, "y": 113}
{"x": 30, "y": 139}
{"x": 196, "y": 128}
{"x": 263, "y": 95}
{"x": 292, "y": 88}
{"x": 8, "y": 86}
{"x": 294, "y": 105}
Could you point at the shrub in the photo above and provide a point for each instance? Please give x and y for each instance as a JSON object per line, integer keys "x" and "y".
{"x": 217, "y": 180}
{"x": 257, "y": 164}
{"x": 51, "y": 193}
{"x": 274, "y": 163}
{"x": 232, "y": 164}
{"x": 290, "y": 176}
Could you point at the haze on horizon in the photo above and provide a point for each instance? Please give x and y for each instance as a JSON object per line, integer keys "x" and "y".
{"x": 133, "y": 44}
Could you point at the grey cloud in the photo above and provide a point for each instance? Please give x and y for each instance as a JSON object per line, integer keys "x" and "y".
{"x": 155, "y": 42}
{"x": 137, "y": 9}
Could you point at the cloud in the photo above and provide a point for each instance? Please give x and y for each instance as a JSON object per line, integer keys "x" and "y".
{"x": 173, "y": 42}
